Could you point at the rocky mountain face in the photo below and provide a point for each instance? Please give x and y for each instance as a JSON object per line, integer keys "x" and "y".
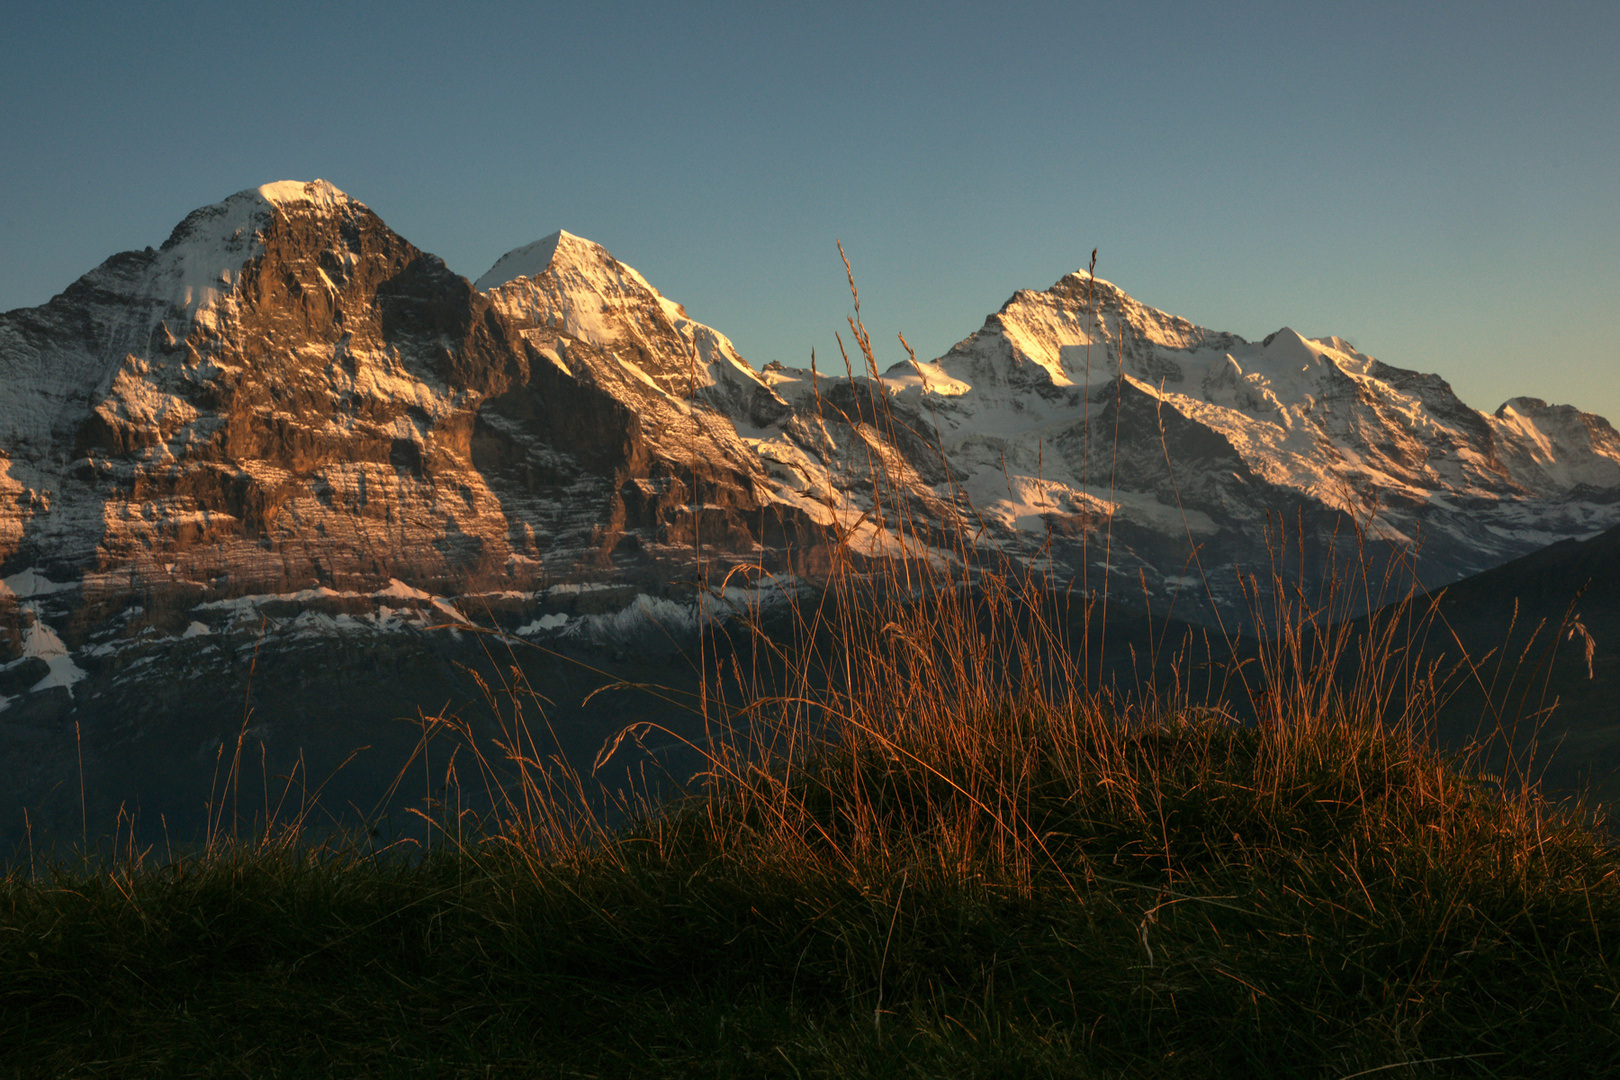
{"x": 288, "y": 394}
{"x": 288, "y": 424}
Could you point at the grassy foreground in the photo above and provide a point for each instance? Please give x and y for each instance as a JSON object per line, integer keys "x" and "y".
{"x": 1030, "y": 891}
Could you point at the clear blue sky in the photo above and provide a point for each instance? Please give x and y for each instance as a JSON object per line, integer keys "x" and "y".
{"x": 1439, "y": 183}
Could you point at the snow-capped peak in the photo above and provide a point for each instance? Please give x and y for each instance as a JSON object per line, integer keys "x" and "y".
{"x": 575, "y": 284}
{"x": 577, "y": 288}
{"x": 230, "y": 218}
{"x": 316, "y": 192}
{"x": 1558, "y": 442}
{"x": 534, "y": 259}
{"x": 1287, "y": 345}
{"x": 202, "y": 258}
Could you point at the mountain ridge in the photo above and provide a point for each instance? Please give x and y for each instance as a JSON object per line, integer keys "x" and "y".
{"x": 290, "y": 442}
{"x": 290, "y": 396}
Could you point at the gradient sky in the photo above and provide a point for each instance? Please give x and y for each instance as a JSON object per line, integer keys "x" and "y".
{"x": 1438, "y": 183}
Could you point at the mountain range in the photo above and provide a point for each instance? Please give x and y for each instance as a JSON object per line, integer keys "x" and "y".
{"x": 288, "y": 426}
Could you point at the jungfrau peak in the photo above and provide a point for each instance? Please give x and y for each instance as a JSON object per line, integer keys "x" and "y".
{"x": 289, "y": 404}
{"x": 1080, "y": 400}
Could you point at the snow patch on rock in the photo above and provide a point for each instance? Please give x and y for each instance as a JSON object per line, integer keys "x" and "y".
{"x": 554, "y": 621}
{"x": 30, "y": 583}
{"x": 40, "y": 641}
